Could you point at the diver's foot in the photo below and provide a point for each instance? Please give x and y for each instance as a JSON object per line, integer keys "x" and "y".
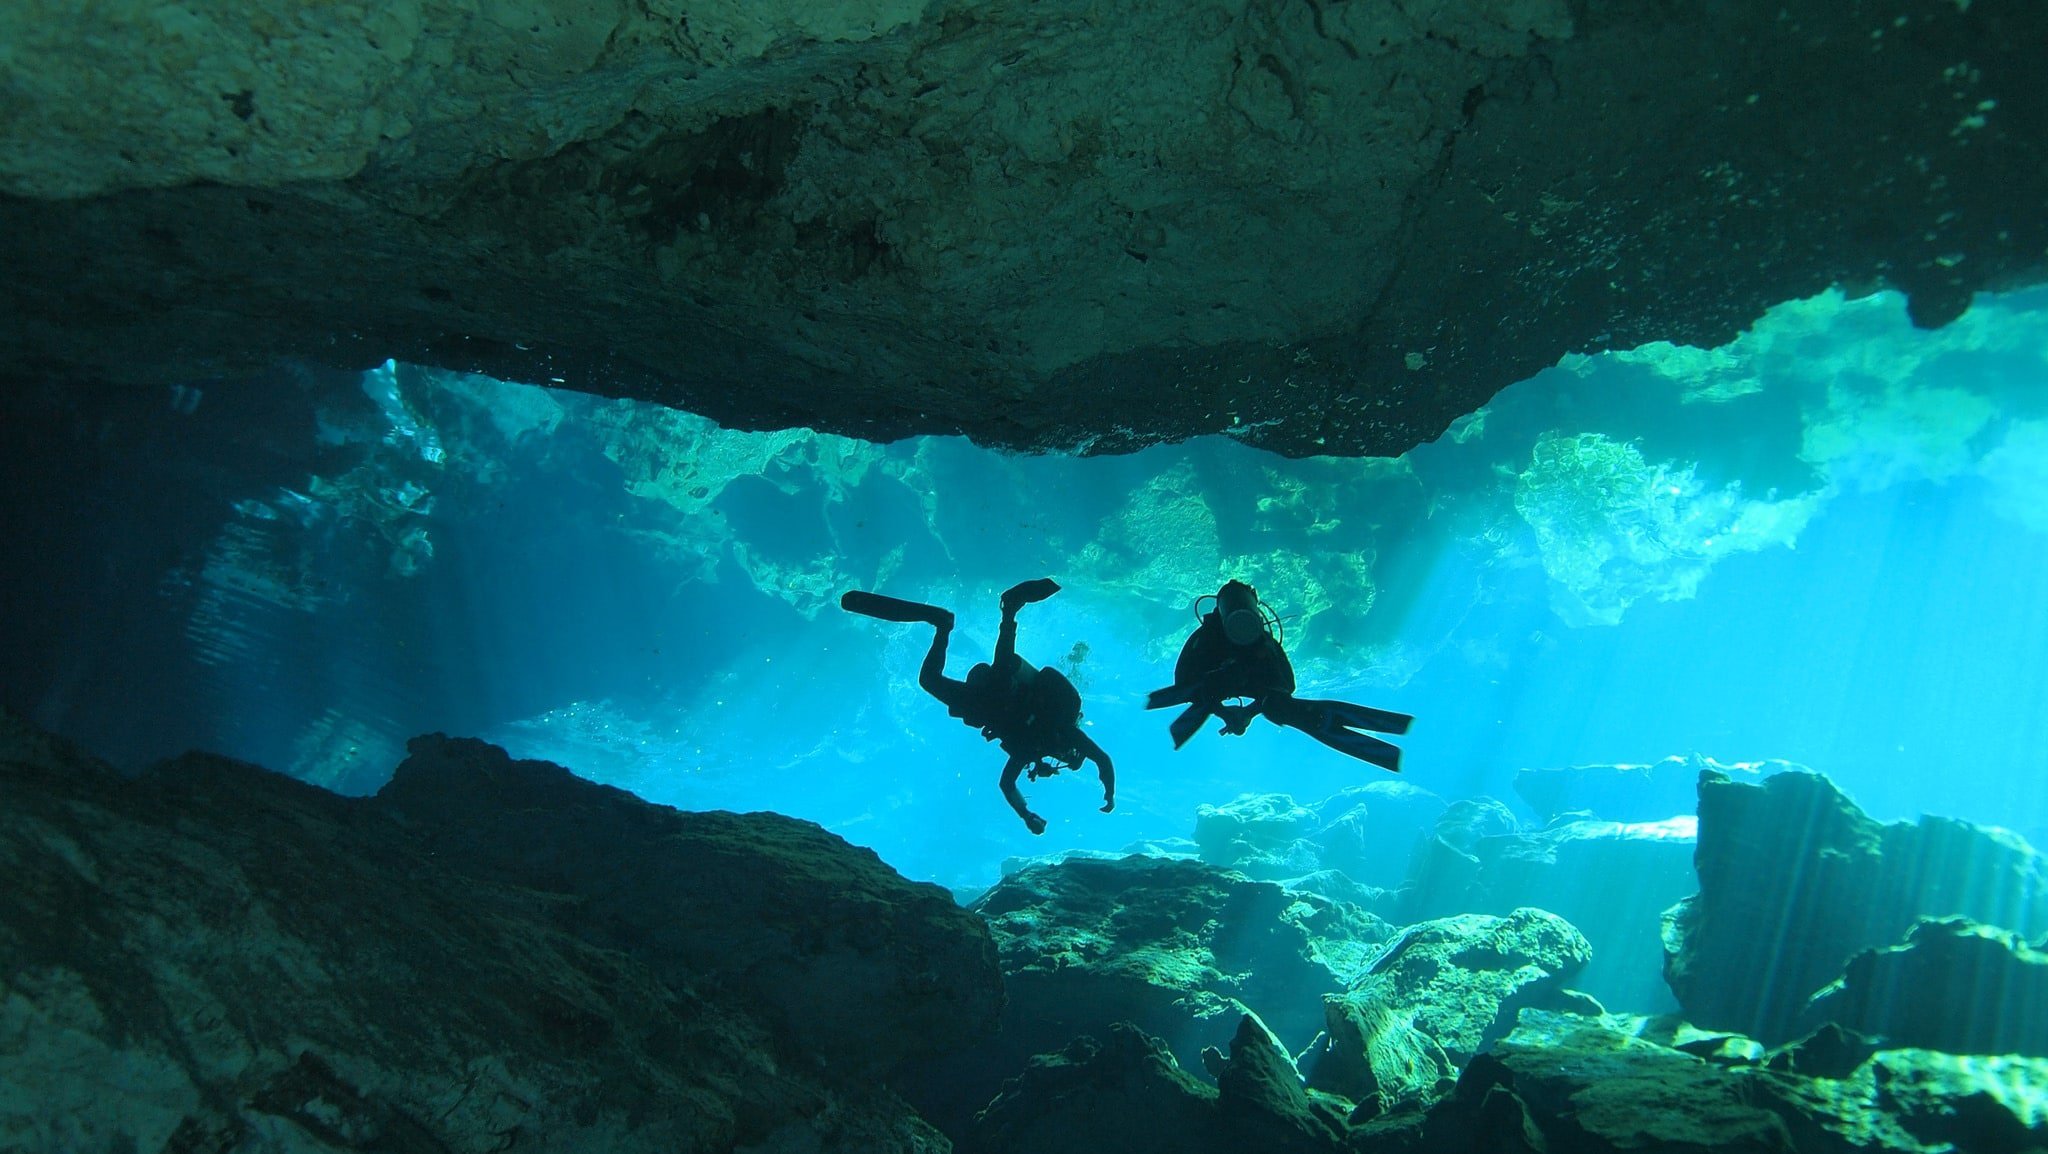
{"x": 1027, "y": 592}
{"x": 1036, "y": 823}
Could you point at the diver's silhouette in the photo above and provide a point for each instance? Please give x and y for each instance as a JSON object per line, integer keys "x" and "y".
{"x": 1233, "y": 654}
{"x": 1033, "y": 713}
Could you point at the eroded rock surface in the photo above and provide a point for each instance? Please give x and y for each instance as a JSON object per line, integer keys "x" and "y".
{"x": 1952, "y": 985}
{"x": 1177, "y": 948}
{"x": 1441, "y": 993}
{"x": 1325, "y": 229}
{"x": 1794, "y": 880}
{"x": 216, "y": 957}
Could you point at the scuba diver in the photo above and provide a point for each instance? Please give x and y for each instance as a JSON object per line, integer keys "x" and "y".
{"x": 1235, "y": 656}
{"x": 1034, "y": 714}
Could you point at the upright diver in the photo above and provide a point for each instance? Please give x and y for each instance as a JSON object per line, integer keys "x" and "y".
{"x": 1033, "y": 713}
{"x": 1233, "y": 654}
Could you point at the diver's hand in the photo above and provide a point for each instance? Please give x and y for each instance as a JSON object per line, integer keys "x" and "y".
{"x": 1108, "y": 802}
{"x": 1036, "y": 823}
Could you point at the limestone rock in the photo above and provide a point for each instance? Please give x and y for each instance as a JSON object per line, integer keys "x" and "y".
{"x": 1611, "y": 880}
{"x": 1437, "y": 996}
{"x": 819, "y": 937}
{"x": 1124, "y": 1092}
{"x": 1368, "y": 833}
{"x": 1260, "y": 835}
{"x": 1179, "y": 949}
{"x": 1563, "y": 1082}
{"x": 1127, "y": 1093}
{"x": 1795, "y": 880}
{"x": 1952, "y": 985}
{"x": 216, "y": 958}
{"x": 1321, "y": 230}
{"x": 1630, "y": 793}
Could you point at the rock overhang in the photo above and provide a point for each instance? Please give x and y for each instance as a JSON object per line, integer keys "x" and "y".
{"x": 1321, "y": 228}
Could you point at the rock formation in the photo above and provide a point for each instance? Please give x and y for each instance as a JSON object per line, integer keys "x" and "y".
{"x": 217, "y": 957}
{"x": 1330, "y": 228}
{"x": 1952, "y": 985}
{"x": 1794, "y": 880}
{"x": 1559, "y": 1084}
{"x": 1441, "y": 993}
{"x": 1179, "y": 949}
{"x": 1629, "y": 793}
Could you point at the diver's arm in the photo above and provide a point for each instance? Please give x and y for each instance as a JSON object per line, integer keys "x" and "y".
{"x": 1011, "y": 770}
{"x": 1086, "y": 747}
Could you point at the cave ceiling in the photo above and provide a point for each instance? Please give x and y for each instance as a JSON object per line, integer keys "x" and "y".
{"x": 1322, "y": 226}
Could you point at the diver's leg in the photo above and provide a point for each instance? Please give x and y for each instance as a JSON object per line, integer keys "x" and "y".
{"x": 1014, "y": 598}
{"x": 931, "y": 676}
{"x": 1011, "y": 770}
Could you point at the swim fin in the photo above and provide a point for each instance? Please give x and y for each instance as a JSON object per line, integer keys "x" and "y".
{"x": 1028, "y": 592}
{"x": 1326, "y": 722}
{"x": 1171, "y": 695}
{"x": 1186, "y": 725}
{"x": 1362, "y": 746}
{"x": 1366, "y": 717}
{"x": 893, "y": 608}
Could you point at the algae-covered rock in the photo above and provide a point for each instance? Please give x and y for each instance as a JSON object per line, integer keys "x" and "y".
{"x": 1122, "y": 1092}
{"x": 1794, "y": 880}
{"x": 219, "y": 958}
{"x": 1582, "y": 1084}
{"x": 1368, "y": 833}
{"x": 1953, "y": 985}
{"x": 1612, "y": 880}
{"x": 1566, "y": 1082}
{"x": 1177, "y": 947}
{"x": 1439, "y": 995}
{"x": 1261, "y": 835}
{"x": 1127, "y": 1093}
{"x": 818, "y": 936}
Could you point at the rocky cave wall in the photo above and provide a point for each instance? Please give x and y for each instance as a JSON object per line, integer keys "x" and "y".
{"x": 1324, "y": 227}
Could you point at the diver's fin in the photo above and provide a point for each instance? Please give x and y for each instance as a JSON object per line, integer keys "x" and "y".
{"x": 1171, "y": 695}
{"x": 1362, "y": 746}
{"x": 892, "y": 608}
{"x": 1366, "y": 717}
{"x": 1326, "y": 722}
{"x": 1028, "y": 592}
{"x": 1185, "y": 726}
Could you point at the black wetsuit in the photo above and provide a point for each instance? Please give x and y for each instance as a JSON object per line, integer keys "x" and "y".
{"x": 997, "y": 698}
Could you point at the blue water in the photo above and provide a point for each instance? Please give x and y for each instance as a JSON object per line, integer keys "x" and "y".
{"x": 650, "y": 600}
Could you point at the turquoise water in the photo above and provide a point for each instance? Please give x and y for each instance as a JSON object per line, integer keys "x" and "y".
{"x": 1823, "y": 543}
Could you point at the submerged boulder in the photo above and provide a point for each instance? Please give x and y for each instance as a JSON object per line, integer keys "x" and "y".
{"x": 1367, "y": 833}
{"x": 1630, "y": 793}
{"x": 1179, "y": 949}
{"x": 1611, "y": 880}
{"x": 818, "y": 936}
{"x": 1566, "y": 1082}
{"x": 1437, "y": 996}
{"x": 1794, "y": 880}
{"x": 216, "y": 957}
{"x": 1953, "y": 985}
{"x": 1127, "y": 1093}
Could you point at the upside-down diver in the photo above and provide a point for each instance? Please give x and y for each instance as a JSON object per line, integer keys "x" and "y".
{"x": 1033, "y": 713}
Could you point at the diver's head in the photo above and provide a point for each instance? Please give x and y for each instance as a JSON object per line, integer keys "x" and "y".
{"x": 1237, "y": 606}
